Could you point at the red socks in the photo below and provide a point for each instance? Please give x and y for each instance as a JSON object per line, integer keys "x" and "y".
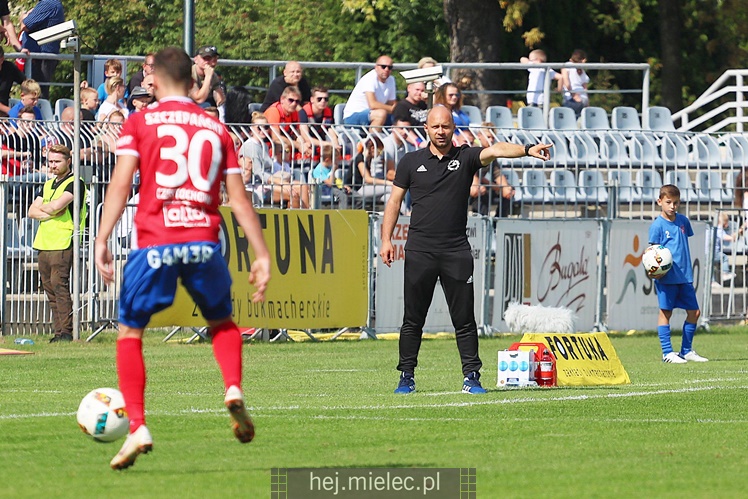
{"x": 131, "y": 373}
{"x": 227, "y": 349}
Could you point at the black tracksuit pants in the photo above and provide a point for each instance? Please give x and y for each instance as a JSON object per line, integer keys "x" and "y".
{"x": 455, "y": 269}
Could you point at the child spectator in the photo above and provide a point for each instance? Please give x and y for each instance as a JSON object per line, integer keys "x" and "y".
{"x": 112, "y": 68}
{"x": 115, "y": 87}
{"x": 30, "y": 93}
{"x": 89, "y": 103}
{"x": 675, "y": 289}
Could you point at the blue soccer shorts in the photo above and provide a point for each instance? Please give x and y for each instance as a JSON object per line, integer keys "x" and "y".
{"x": 672, "y": 296}
{"x": 149, "y": 281}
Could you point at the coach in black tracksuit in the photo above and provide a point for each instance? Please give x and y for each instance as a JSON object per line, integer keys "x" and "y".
{"x": 439, "y": 179}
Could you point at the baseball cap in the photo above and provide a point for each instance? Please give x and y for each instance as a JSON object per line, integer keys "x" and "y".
{"x": 138, "y": 92}
{"x": 208, "y": 51}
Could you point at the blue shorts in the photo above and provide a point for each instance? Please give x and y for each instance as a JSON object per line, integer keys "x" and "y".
{"x": 149, "y": 281}
{"x": 361, "y": 118}
{"x": 671, "y": 296}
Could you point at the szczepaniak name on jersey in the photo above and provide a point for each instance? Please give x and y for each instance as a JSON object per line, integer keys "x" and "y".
{"x": 183, "y": 118}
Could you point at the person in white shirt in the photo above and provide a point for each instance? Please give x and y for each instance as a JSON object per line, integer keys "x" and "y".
{"x": 574, "y": 84}
{"x": 373, "y": 98}
{"x": 536, "y": 78}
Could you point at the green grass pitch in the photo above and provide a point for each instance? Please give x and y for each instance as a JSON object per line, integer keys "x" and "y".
{"x": 676, "y": 431}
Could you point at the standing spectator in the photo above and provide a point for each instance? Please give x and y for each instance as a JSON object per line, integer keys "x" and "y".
{"x": 293, "y": 76}
{"x": 373, "y": 98}
{"x": 208, "y": 87}
{"x": 7, "y": 29}
{"x": 137, "y": 78}
{"x": 9, "y": 74}
{"x": 46, "y": 13}
{"x": 53, "y": 207}
{"x": 536, "y": 79}
{"x": 413, "y": 107}
{"x": 450, "y": 96}
{"x": 147, "y": 147}
{"x": 30, "y": 92}
{"x": 112, "y": 69}
{"x": 115, "y": 88}
{"x": 320, "y": 118}
{"x": 574, "y": 83}
{"x": 439, "y": 179}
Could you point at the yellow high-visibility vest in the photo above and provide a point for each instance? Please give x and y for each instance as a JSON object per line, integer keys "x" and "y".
{"x": 57, "y": 233}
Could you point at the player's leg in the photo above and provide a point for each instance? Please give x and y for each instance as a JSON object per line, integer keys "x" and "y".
{"x": 666, "y": 298}
{"x": 689, "y": 302}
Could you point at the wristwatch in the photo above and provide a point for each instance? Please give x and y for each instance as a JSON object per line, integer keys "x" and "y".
{"x": 527, "y": 148}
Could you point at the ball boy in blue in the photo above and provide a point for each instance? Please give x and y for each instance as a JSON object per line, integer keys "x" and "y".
{"x": 675, "y": 289}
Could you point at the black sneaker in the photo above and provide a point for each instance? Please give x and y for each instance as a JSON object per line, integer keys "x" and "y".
{"x": 58, "y": 338}
{"x": 406, "y": 385}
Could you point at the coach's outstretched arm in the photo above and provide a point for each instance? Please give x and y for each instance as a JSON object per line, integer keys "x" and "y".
{"x": 391, "y": 212}
{"x": 509, "y": 150}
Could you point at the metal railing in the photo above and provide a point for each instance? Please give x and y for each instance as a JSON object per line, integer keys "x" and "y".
{"x": 720, "y": 99}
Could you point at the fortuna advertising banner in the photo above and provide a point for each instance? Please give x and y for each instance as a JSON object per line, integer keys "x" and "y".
{"x": 319, "y": 264}
{"x": 632, "y": 299}
{"x": 550, "y": 263}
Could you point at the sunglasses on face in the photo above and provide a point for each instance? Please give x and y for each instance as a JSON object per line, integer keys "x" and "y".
{"x": 454, "y": 95}
{"x": 322, "y": 99}
{"x": 386, "y": 66}
{"x": 293, "y": 101}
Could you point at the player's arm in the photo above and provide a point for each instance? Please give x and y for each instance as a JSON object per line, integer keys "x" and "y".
{"x": 245, "y": 214}
{"x": 508, "y": 150}
{"x": 391, "y": 212}
{"x": 114, "y": 204}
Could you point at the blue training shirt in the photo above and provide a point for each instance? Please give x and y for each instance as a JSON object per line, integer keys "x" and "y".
{"x": 674, "y": 236}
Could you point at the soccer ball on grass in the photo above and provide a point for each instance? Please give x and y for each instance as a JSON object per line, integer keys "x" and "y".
{"x": 102, "y": 415}
{"x": 657, "y": 260}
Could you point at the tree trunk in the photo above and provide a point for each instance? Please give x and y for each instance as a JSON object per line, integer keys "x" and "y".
{"x": 476, "y": 33}
{"x": 670, "y": 41}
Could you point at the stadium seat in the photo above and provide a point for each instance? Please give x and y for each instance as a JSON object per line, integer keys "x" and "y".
{"x": 500, "y": 116}
{"x": 592, "y": 187}
{"x": 682, "y": 181}
{"x": 513, "y": 180}
{"x": 706, "y": 151}
{"x": 673, "y": 149}
{"x": 660, "y": 119}
{"x": 649, "y": 183}
{"x": 14, "y": 248}
{"x": 613, "y": 149}
{"x": 534, "y": 186}
{"x": 709, "y": 187}
{"x": 531, "y": 118}
{"x": 595, "y": 118}
{"x": 60, "y": 105}
{"x": 621, "y": 181}
{"x": 563, "y": 118}
{"x": 625, "y": 118}
{"x": 46, "y": 108}
{"x": 473, "y": 112}
{"x": 560, "y": 151}
{"x": 583, "y": 149}
{"x": 737, "y": 145}
{"x": 642, "y": 147}
{"x": 27, "y": 231}
{"x": 254, "y": 106}
{"x": 338, "y": 113}
{"x": 563, "y": 187}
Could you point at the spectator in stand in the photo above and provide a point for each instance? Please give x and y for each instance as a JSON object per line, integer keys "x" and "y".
{"x": 7, "y": 29}
{"x": 9, "y": 74}
{"x": 115, "y": 88}
{"x": 208, "y": 87}
{"x": 253, "y": 152}
{"x": 137, "y": 78}
{"x": 22, "y": 150}
{"x": 89, "y": 103}
{"x": 284, "y": 189}
{"x": 30, "y": 92}
{"x": 45, "y": 13}
{"x": 723, "y": 241}
{"x": 373, "y": 98}
{"x": 396, "y": 145}
{"x": 148, "y": 86}
{"x": 449, "y": 96}
{"x": 320, "y": 118}
{"x": 66, "y": 133}
{"x": 536, "y": 79}
{"x": 140, "y": 98}
{"x": 574, "y": 83}
{"x": 371, "y": 167}
{"x": 293, "y": 76}
{"x": 112, "y": 69}
{"x": 281, "y": 115}
{"x": 413, "y": 107}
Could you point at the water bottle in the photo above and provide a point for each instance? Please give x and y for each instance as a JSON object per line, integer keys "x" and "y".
{"x": 24, "y": 341}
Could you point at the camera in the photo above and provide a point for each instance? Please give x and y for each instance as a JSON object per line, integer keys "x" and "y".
{"x": 425, "y": 74}
{"x": 55, "y": 33}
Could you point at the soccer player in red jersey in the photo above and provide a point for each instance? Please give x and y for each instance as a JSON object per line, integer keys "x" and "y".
{"x": 182, "y": 155}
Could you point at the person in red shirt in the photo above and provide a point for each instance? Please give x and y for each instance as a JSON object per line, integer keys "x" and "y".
{"x": 282, "y": 115}
{"x": 182, "y": 155}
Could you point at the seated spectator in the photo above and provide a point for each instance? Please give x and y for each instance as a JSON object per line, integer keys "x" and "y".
{"x": 236, "y": 108}
{"x": 430, "y": 62}
{"x": 140, "y": 98}
{"x": 371, "y": 167}
{"x": 396, "y": 145}
{"x": 208, "y": 88}
{"x": 115, "y": 88}
{"x": 723, "y": 241}
{"x": 293, "y": 76}
{"x": 449, "y": 96}
{"x": 284, "y": 189}
{"x": 137, "y": 78}
{"x": 105, "y": 144}
{"x": 112, "y": 69}
{"x": 65, "y": 134}
{"x": 254, "y": 150}
{"x": 373, "y": 98}
{"x": 22, "y": 158}
{"x": 9, "y": 74}
{"x": 148, "y": 86}
{"x": 320, "y": 118}
{"x": 536, "y": 79}
{"x": 413, "y": 107}
{"x": 324, "y": 174}
{"x": 574, "y": 83}
{"x": 89, "y": 103}
{"x": 30, "y": 93}
{"x": 281, "y": 116}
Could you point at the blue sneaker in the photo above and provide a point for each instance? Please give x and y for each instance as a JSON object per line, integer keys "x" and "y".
{"x": 406, "y": 384}
{"x": 472, "y": 385}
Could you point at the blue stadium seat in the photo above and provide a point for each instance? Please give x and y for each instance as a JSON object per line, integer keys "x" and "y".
{"x": 46, "y": 108}
{"x": 534, "y": 186}
{"x": 338, "y": 113}
{"x": 649, "y": 183}
{"x": 625, "y": 118}
{"x": 706, "y": 151}
{"x": 513, "y": 179}
{"x": 531, "y": 118}
{"x": 622, "y": 181}
{"x": 592, "y": 188}
{"x": 500, "y": 116}
{"x": 473, "y": 112}
{"x": 60, "y": 105}
{"x": 563, "y": 118}
{"x": 709, "y": 187}
{"x": 682, "y": 181}
{"x": 563, "y": 186}
{"x": 660, "y": 119}
{"x": 595, "y": 118}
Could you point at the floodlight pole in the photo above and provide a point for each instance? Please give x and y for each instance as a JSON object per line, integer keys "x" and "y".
{"x": 73, "y": 43}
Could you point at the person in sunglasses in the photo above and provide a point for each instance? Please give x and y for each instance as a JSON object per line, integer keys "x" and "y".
{"x": 293, "y": 76}
{"x": 373, "y": 98}
{"x": 320, "y": 118}
{"x": 286, "y": 120}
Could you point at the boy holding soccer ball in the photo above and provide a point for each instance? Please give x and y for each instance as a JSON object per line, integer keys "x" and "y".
{"x": 675, "y": 288}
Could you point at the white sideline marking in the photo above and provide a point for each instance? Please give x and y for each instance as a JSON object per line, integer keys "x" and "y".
{"x": 340, "y": 370}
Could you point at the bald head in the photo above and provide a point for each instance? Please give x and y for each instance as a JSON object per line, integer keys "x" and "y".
{"x": 440, "y": 127}
{"x": 439, "y": 113}
{"x": 68, "y": 114}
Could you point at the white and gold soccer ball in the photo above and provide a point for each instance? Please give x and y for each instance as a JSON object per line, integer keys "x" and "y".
{"x": 657, "y": 260}
{"x": 102, "y": 416}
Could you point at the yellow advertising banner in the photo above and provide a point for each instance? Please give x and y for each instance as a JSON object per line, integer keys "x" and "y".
{"x": 583, "y": 359}
{"x": 319, "y": 264}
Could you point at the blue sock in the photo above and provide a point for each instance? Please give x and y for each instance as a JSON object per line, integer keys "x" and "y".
{"x": 664, "y": 333}
{"x": 689, "y": 330}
